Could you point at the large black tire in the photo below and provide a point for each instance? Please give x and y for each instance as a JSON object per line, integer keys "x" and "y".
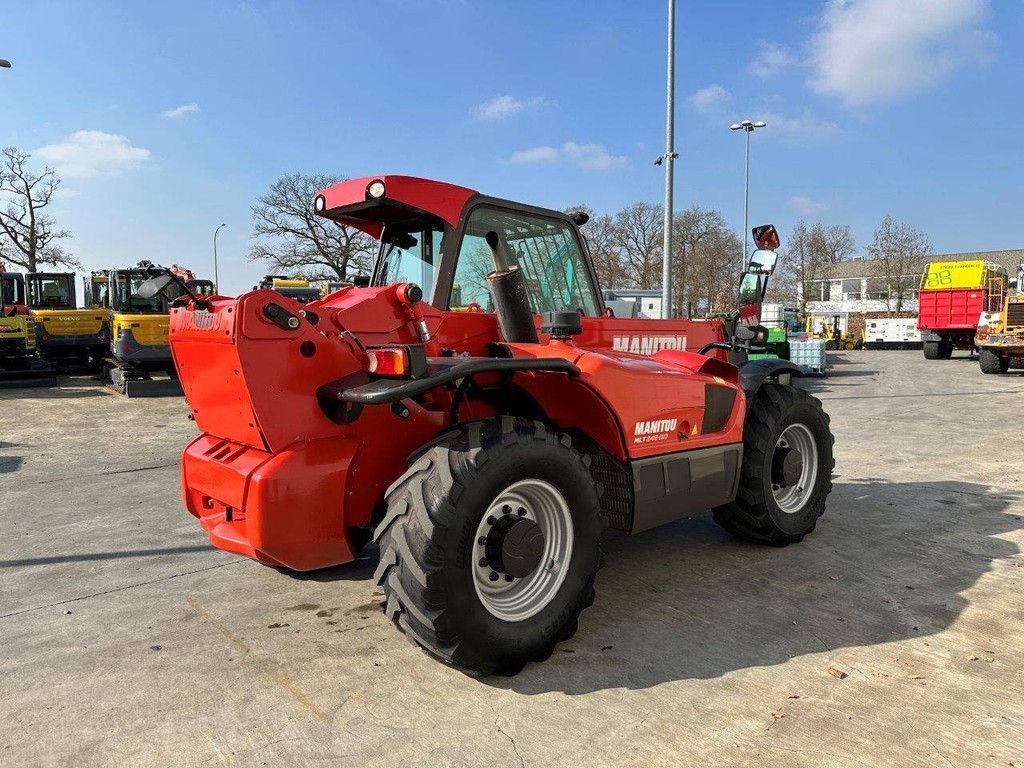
{"x": 755, "y": 514}
{"x": 932, "y": 350}
{"x": 992, "y": 362}
{"x": 946, "y": 349}
{"x": 831, "y": 345}
{"x": 429, "y": 547}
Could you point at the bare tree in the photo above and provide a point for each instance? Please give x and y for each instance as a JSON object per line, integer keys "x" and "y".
{"x": 29, "y": 237}
{"x": 897, "y": 252}
{"x": 703, "y": 267}
{"x": 603, "y": 243}
{"x": 637, "y": 237}
{"x": 833, "y": 243}
{"x": 809, "y": 257}
{"x": 293, "y": 240}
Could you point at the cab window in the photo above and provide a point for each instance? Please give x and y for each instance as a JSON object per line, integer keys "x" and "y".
{"x": 546, "y": 250}
{"x": 409, "y": 256}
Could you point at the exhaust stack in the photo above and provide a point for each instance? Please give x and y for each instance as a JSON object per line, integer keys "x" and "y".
{"x": 511, "y": 301}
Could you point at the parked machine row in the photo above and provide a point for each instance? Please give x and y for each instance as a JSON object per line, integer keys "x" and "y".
{"x": 116, "y": 334}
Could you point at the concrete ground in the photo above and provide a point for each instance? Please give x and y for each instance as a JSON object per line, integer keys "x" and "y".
{"x": 892, "y": 636}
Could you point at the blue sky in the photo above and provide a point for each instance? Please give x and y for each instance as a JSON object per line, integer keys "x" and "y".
{"x": 168, "y": 119}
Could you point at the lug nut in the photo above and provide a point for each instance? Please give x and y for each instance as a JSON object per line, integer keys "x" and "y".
{"x": 521, "y": 511}
{"x": 492, "y": 519}
{"x": 482, "y": 540}
{"x": 506, "y": 509}
{"x": 509, "y": 578}
{"x": 494, "y": 576}
{"x": 483, "y": 562}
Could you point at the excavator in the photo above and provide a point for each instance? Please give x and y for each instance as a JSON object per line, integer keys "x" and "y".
{"x": 138, "y": 361}
{"x": 64, "y": 333}
{"x": 20, "y": 366}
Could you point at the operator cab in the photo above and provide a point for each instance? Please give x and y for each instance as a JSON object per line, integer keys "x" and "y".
{"x": 12, "y": 294}
{"x": 51, "y": 290}
{"x": 124, "y": 286}
{"x": 434, "y": 234}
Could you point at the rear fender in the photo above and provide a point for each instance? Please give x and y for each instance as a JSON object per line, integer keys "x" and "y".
{"x": 754, "y": 373}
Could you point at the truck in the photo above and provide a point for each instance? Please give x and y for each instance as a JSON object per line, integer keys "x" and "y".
{"x": 952, "y": 296}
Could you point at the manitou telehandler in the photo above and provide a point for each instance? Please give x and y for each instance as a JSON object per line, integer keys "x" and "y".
{"x": 64, "y": 333}
{"x": 20, "y": 365}
{"x": 487, "y": 437}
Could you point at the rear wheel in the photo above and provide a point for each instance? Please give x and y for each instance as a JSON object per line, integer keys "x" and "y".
{"x": 946, "y": 349}
{"x": 992, "y": 362}
{"x": 932, "y": 350}
{"x": 491, "y": 544}
{"x": 787, "y": 468}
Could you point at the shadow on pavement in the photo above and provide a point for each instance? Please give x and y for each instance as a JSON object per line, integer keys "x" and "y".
{"x": 89, "y": 556}
{"x": 888, "y": 562}
{"x": 10, "y": 463}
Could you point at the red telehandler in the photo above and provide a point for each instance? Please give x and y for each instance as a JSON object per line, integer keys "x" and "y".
{"x": 479, "y": 411}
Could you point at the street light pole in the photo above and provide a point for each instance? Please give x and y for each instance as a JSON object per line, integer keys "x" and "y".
{"x": 216, "y": 276}
{"x": 748, "y": 128}
{"x": 667, "y": 159}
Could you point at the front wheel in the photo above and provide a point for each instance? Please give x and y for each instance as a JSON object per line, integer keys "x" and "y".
{"x": 787, "y": 468}
{"x": 992, "y": 362}
{"x": 491, "y": 544}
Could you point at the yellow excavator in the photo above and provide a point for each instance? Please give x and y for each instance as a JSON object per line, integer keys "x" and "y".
{"x": 138, "y": 362}
{"x": 20, "y": 366}
{"x": 64, "y": 333}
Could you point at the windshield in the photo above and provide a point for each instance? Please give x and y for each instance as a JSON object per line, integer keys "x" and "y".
{"x": 545, "y": 249}
{"x": 50, "y": 292}
{"x": 409, "y": 256}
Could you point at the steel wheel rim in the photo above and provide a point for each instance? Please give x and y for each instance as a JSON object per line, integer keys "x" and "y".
{"x": 525, "y": 597}
{"x": 792, "y": 498}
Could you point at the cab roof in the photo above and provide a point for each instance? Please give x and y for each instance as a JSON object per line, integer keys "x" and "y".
{"x": 405, "y": 198}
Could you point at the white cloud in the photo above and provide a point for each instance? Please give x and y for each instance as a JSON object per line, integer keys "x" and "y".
{"x": 709, "y": 97}
{"x": 806, "y": 127}
{"x": 805, "y": 206}
{"x": 592, "y": 157}
{"x": 184, "y": 109}
{"x": 772, "y": 60}
{"x": 85, "y": 154}
{"x": 501, "y": 107}
{"x": 869, "y": 51}
{"x": 535, "y": 155}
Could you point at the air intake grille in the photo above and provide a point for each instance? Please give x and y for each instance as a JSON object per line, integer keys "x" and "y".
{"x": 1015, "y": 314}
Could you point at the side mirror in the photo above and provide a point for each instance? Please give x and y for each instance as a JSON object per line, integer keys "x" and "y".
{"x": 766, "y": 236}
{"x": 757, "y": 334}
{"x": 154, "y": 286}
{"x": 763, "y": 261}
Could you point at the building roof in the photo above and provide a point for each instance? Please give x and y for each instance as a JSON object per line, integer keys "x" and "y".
{"x": 1008, "y": 259}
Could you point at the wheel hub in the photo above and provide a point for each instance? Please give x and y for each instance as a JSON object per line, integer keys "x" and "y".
{"x": 514, "y": 546}
{"x": 794, "y": 468}
{"x": 787, "y": 467}
{"x": 522, "y": 549}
